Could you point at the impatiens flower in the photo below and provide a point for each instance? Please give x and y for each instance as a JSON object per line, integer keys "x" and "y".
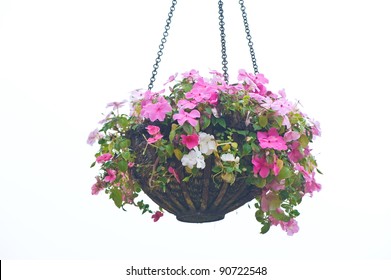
{"x": 186, "y": 104}
{"x": 157, "y": 216}
{"x": 97, "y": 187}
{"x": 229, "y": 157}
{"x": 295, "y": 154}
{"x": 190, "y": 141}
{"x": 131, "y": 164}
{"x": 291, "y": 136}
{"x": 261, "y": 167}
{"x": 207, "y": 143}
{"x": 156, "y": 111}
{"x": 173, "y": 172}
{"x": 153, "y": 129}
{"x": 116, "y": 105}
{"x": 170, "y": 79}
{"x": 201, "y": 91}
{"x": 103, "y": 158}
{"x": 194, "y": 158}
{"x": 93, "y": 136}
{"x": 271, "y": 139}
{"x": 192, "y": 75}
{"x": 136, "y": 95}
{"x": 184, "y": 116}
{"x": 315, "y": 128}
{"x": 155, "y": 138}
{"x": 111, "y": 176}
{"x": 281, "y": 106}
{"x": 290, "y": 227}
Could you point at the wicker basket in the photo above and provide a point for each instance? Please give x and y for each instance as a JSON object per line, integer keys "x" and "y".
{"x": 197, "y": 201}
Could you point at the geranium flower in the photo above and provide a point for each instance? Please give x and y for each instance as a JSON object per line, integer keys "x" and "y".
{"x": 207, "y": 143}
{"x": 190, "y": 141}
{"x": 184, "y": 116}
{"x": 157, "y": 216}
{"x": 111, "y": 176}
{"x": 104, "y": 158}
{"x": 271, "y": 139}
{"x": 194, "y": 158}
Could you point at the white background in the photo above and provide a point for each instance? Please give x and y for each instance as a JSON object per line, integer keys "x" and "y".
{"x": 62, "y": 61}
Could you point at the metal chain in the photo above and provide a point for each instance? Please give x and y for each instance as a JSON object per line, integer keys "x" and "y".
{"x": 223, "y": 41}
{"x": 161, "y": 46}
{"x": 249, "y": 38}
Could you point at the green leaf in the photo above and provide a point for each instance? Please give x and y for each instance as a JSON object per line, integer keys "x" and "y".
{"x": 188, "y": 128}
{"x": 265, "y": 228}
{"x": 285, "y": 172}
{"x": 284, "y": 194}
{"x": 93, "y": 164}
{"x": 222, "y": 122}
{"x": 123, "y": 166}
{"x": 170, "y": 149}
{"x": 262, "y": 120}
{"x": 257, "y": 127}
{"x": 295, "y": 213}
{"x": 187, "y": 87}
{"x": 259, "y": 215}
{"x": 124, "y": 144}
{"x": 116, "y": 196}
{"x": 205, "y": 122}
{"x": 126, "y": 155}
{"x": 247, "y": 150}
{"x": 216, "y": 169}
{"x": 303, "y": 140}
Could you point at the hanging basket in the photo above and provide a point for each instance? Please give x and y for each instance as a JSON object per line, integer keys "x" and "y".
{"x": 205, "y": 147}
{"x": 202, "y": 198}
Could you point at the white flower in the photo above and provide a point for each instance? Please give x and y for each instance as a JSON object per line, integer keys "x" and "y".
{"x": 194, "y": 158}
{"x": 207, "y": 143}
{"x": 229, "y": 157}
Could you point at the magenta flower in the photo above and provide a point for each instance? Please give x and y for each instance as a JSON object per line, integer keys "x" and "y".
{"x": 93, "y": 136}
{"x": 156, "y": 111}
{"x": 261, "y": 166}
{"x": 173, "y": 172}
{"x": 295, "y": 154}
{"x": 184, "y": 116}
{"x": 103, "y": 158}
{"x": 131, "y": 164}
{"x": 111, "y": 175}
{"x": 153, "y": 129}
{"x": 190, "y": 141}
{"x": 157, "y": 216}
{"x": 271, "y": 139}
{"x": 116, "y": 105}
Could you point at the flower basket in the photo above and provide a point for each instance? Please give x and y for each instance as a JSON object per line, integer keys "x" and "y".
{"x": 203, "y": 147}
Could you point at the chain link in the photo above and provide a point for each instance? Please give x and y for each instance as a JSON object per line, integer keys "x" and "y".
{"x": 249, "y": 38}
{"x": 223, "y": 41}
{"x": 161, "y": 46}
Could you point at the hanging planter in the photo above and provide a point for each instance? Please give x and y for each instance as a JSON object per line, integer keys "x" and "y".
{"x": 202, "y": 147}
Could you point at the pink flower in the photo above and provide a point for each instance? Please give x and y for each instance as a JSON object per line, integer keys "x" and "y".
{"x": 153, "y": 129}
{"x": 311, "y": 185}
{"x": 116, "y": 105}
{"x": 157, "y": 216}
{"x": 271, "y": 139}
{"x": 103, "y": 158}
{"x": 253, "y": 82}
{"x": 190, "y": 141}
{"x": 295, "y": 154}
{"x": 95, "y": 189}
{"x": 93, "y": 136}
{"x": 282, "y": 106}
{"x": 173, "y": 172}
{"x": 184, "y": 116}
{"x": 261, "y": 166}
{"x": 193, "y": 75}
{"x": 290, "y": 227}
{"x": 155, "y": 138}
{"x": 201, "y": 91}
{"x": 156, "y": 111}
{"x": 291, "y": 136}
{"x": 111, "y": 175}
{"x": 130, "y": 164}
{"x": 316, "y": 128}
{"x": 186, "y": 104}
{"x": 170, "y": 79}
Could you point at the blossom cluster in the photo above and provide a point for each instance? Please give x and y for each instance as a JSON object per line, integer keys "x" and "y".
{"x": 248, "y": 130}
